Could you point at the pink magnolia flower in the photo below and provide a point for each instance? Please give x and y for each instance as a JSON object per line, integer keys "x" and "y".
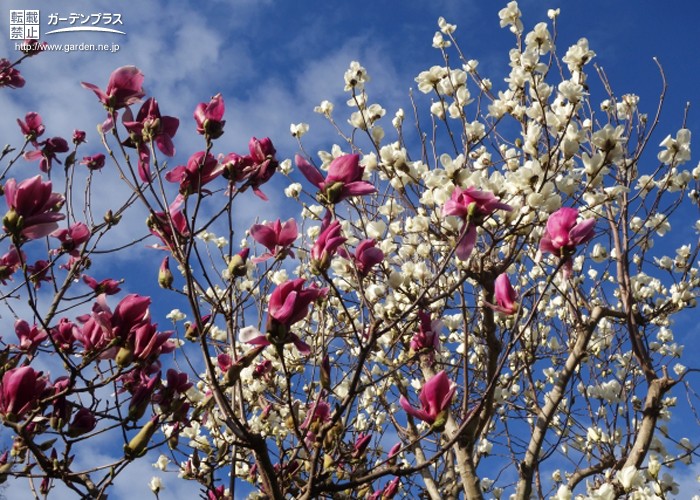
{"x": 171, "y": 228}
{"x": 147, "y": 343}
{"x": 130, "y": 313}
{"x": 78, "y": 137}
{"x": 263, "y": 165}
{"x": 344, "y": 178}
{"x": 9, "y": 264}
{"x": 276, "y": 237}
{"x": 32, "y": 126}
{"x": 234, "y": 167}
{"x": 125, "y": 87}
{"x": 366, "y": 256}
{"x": 251, "y": 335}
{"x": 177, "y": 382}
{"x": 391, "y": 456}
{"x": 473, "y": 207}
{"x": 20, "y": 391}
{"x": 254, "y": 169}
{"x": 33, "y": 208}
{"x": 63, "y": 335}
{"x": 263, "y": 368}
{"x": 391, "y": 489}
{"x": 47, "y": 154}
{"x": 361, "y": 444}
{"x": 326, "y": 245}
{"x": 201, "y": 169}
{"x": 141, "y": 393}
{"x": 319, "y": 414}
{"x": 149, "y": 126}
{"x": 195, "y": 330}
{"x": 83, "y": 422}
{"x": 170, "y": 397}
{"x": 505, "y": 295}
{"x": 289, "y": 302}
{"x": 60, "y": 414}
{"x": 564, "y": 233}
{"x": 209, "y": 117}
{"x": 224, "y": 361}
{"x": 106, "y": 286}
{"x": 72, "y": 238}
{"x": 95, "y": 162}
{"x": 427, "y": 338}
{"x": 10, "y": 76}
{"x": 96, "y": 332}
{"x": 435, "y": 397}
{"x": 218, "y": 493}
{"x": 38, "y": 272}
{"x": 29, "y": 337}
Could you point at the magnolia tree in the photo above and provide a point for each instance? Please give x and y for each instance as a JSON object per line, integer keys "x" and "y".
{"x": 476, "y": 301}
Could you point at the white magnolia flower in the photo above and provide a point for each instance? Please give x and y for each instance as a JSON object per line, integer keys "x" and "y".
{"x": 285, "y": 167}
{"x": 427, "y": 80}
{"x": 293, "y": 190}
{"x": 578, "y": 55}
{"x": 325, "y": 108}
{"x": 630, "y": 478}
{"x": 176, "y": 315}
{"x": 510, "y": 16}
{"x": 356, "y": 76}
{"x": 298, "y": 129}
{"x": 446, "y": 27}
{"x": 162, "y": 463}
{"x": 605, "y": 492}
{"x": 677, "y": 150}
{"x": 155, "y": 484}
{"x": 563, "y": 493}
{"x": 439, "y": 42}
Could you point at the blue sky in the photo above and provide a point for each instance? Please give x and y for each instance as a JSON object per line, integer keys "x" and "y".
{"x": 274, "y": 61}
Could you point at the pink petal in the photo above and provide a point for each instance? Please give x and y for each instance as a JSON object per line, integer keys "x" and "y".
{"x": 303, "y": 348}
{"x": 288, "y": 234}
{"x": 359, "y": 188}
{"x": 251, "y": 335}
{"x": 309, "y": 171}
{"x": 560, "y": 223}
{"x": 165, "y": 144}
{"x": 582, "y": 232}
{"x": 260, "y": 194}
{"x": 97, "y": 90}
{"x": 466, "y": 243}
{"x": 264, "y": 235}
{"x": 345, "y": 169}
{"x": 127, "y": 78}
{"x": 284, "y": 313}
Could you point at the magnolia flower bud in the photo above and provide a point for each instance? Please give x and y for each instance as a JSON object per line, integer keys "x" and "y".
{"x": 138, "y": 444}
{"x": 326, "y": 373}
{"x": 124, "y": 357}
{"x": 237, "y": 265}
{"x": 83, "y": 422}
{"x": 165, "y": 277}
{"x": 12, "y": 222}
